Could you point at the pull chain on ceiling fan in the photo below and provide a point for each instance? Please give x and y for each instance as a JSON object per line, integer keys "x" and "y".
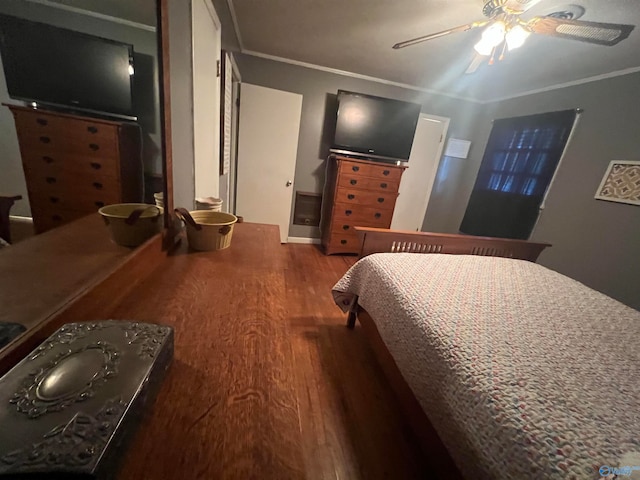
{"x": 505, "y": 28}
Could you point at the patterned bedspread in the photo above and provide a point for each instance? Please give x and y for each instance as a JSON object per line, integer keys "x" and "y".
{"x": 523, "y": 372}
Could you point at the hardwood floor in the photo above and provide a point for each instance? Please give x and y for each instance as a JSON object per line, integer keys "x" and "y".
{"x": 267, "y": 381}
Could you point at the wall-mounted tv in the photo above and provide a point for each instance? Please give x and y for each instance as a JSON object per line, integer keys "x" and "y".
{"x": 64, "y": 68}
{"x": 375, "y": 127}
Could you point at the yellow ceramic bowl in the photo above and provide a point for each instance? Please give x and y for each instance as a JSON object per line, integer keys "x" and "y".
{"x": 136, "y": 232}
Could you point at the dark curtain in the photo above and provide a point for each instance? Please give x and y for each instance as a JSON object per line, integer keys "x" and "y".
{"x": 518, "y": 164}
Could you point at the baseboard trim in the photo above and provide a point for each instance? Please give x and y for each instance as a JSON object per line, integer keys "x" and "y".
{"x": 305, "y": 240}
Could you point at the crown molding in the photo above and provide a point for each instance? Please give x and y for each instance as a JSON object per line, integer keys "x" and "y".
{"x": 573, "y": 83}
{"x": 89, "y": 13}
{"x": 357, "y": 75}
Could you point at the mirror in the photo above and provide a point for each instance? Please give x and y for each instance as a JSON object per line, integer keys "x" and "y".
{"x": 119, "y": 22}
{"x": 99, "y": 34}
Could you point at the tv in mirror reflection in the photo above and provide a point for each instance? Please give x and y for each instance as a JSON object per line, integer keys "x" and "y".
{"x": 64, "y": 68}
{"x": 375, "y": 127}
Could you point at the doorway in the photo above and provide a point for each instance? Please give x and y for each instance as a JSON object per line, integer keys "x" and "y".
{"x": 267, "y": 151}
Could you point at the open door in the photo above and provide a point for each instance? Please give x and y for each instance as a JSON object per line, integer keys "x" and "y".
{"x": 267, "y": 150}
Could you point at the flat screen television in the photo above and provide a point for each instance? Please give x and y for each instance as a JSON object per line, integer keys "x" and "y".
{"x": 375, "y": 127}
{"x": 64, "y": 68}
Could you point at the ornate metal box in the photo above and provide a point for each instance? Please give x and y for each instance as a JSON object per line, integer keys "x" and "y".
{"x": 68, "y": 409}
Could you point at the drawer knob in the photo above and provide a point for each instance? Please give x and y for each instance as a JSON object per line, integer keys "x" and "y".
{"x": 44, "y": 139}
{"x": 383, "y": 185}
{"x": 96, "y": 165}
{"x": 380, "y": 200}
{"x": 99, "y": 204}
{"x": 351, "y": 196}
{"x": 47, "y": 159}
{"x": 97, "y": 185}
{"x": 343, "y": 242}
{"x": 42, "y": 121}
{"x": 92, "y": 129}
{"x": 50, "y": 179}
{"x": 54, "y": 199}
{"x": 353, "y": 182}
{"x": 355, "y": 169}
{"x": 348, "y": 212}
{"x": 345, "y": 227}
{"x": 386, "y": 172}
{"x": 94, "y": 146}
{"x": 378, "y": 215}
{"x": 56, "y": 218}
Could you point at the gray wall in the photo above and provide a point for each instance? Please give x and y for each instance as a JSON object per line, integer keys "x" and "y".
{"x": 594, "y": 241}
{"x": 319, "y": 88}
{"x": 181, "y": 79}
{"x": 146, "y": 90}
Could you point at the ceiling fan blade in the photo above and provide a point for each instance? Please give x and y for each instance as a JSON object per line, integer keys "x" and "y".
{"x": 475, "y": 64}
{"x": 518, "y": 6}
{"x": 461, "y": 28}
{"x": 608, "y": 34}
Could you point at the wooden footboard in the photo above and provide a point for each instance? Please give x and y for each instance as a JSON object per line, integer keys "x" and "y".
{"x": 380, "y": 240}
{"x": 430, "y": 444}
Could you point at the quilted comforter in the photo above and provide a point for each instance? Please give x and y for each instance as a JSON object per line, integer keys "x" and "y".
{"x": 523, "y": 372}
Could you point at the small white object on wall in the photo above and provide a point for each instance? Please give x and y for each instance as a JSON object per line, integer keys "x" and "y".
{"x": 457, "y": 148}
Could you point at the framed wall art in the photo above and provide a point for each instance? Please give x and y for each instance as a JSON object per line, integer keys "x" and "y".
{"x": 621, "y": 183}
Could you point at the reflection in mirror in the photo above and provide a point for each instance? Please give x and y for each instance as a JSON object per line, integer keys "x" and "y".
{"x": 95, "y": 138}
{"x": 80, "y": 132}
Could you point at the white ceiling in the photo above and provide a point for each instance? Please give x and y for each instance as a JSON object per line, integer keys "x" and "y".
{"x": 357, "y": 35}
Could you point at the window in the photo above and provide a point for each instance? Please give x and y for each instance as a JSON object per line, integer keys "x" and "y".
{"x": 521, "y": 157}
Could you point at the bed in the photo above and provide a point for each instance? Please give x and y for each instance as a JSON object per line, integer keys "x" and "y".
{"x": 507, "y": 369}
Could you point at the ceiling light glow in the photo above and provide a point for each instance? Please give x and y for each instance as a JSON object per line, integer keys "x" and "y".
{"x": 491, "y": 38}
{"x": 516, "y": 37}
{"x": 483, "y": 48}
{"x": 494, "y": 34}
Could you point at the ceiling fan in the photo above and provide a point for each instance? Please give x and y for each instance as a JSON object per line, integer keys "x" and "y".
{"x": 506, "y": 30}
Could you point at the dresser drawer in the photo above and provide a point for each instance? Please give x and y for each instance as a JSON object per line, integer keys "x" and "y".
{"x": 104, "y": 189}
{"x": 44, "y": 220}
{"x": 346, "y": 227}
{"x": 388, "y": 172}
{"x": 353, "y": 196}
{"x": 42, "y": 124}
{"x": 342, "y": 243}
{"x": 84, "y": 201}
{"x": 345, "y": 214}
{"x": 57, "y": 143}
{"x": 57, "y": 163}
{"x": 366, "y": 183}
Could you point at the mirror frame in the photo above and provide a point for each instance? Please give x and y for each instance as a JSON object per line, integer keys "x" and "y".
{"x": 100, "y": 294}
{"x": 164, "y": 74}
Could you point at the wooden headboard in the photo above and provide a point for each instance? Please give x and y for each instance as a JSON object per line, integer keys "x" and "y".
{"x": 381, "y": 240}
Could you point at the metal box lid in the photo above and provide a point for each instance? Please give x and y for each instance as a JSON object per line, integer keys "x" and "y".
{"x": 67, "y": 406}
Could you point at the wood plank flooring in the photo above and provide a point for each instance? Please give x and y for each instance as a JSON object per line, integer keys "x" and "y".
{"x": 267, "y": 381}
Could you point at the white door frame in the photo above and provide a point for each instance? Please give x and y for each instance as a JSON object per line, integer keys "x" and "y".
{"x": 205, "y": 186}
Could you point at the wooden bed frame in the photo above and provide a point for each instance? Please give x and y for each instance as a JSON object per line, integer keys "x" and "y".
{"x": 378, "y": 240}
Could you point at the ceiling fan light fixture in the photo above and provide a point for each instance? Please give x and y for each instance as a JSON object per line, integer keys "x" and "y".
{"x": 494, "y": 34}
{"x": 516, "y": 37}
{"x": 483, "y": 48}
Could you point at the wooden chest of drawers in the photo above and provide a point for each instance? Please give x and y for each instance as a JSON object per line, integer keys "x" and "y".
{"x": 75, "y": 165}
{"x": 360, "y": 193}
